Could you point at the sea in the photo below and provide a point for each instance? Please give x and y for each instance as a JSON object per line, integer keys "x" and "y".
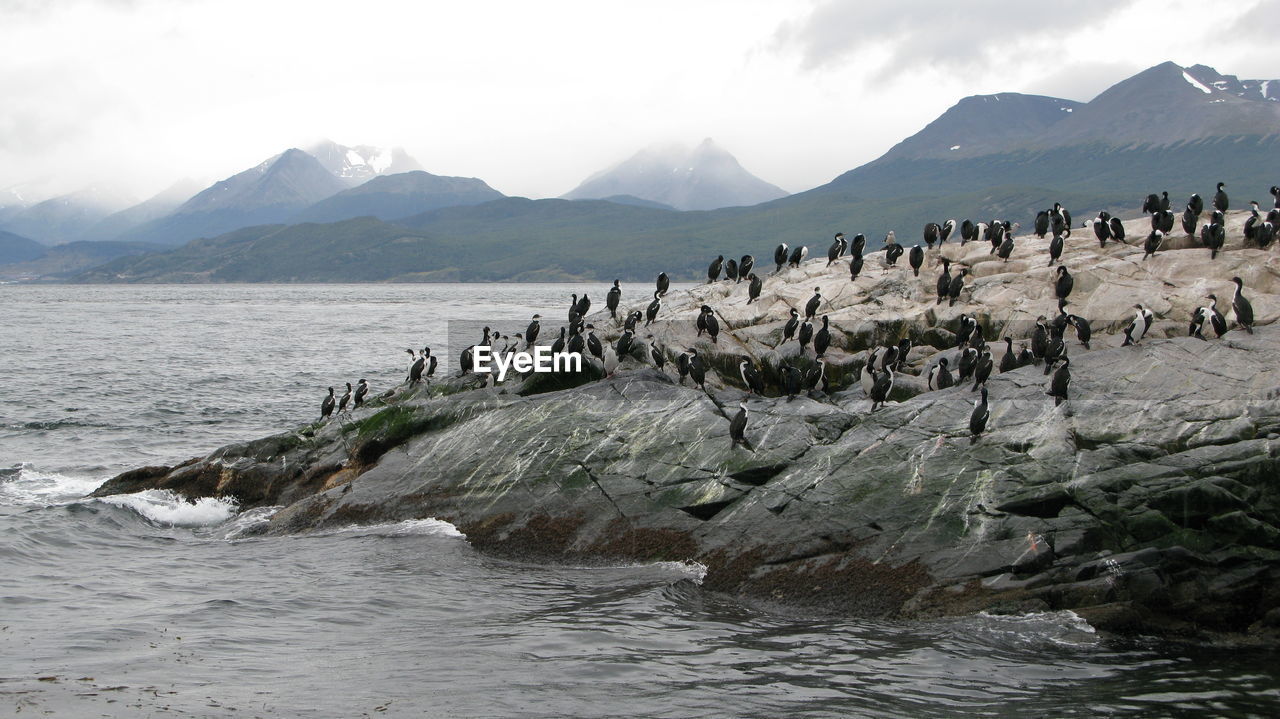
{"x": 144, "y": 605}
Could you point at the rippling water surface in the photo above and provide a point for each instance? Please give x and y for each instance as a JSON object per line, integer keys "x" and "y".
{"x": 142, "y": 605}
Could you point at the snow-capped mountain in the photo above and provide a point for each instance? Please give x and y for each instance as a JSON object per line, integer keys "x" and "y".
{"x": 355, "y": 165}
{"x": 704, "y": 178}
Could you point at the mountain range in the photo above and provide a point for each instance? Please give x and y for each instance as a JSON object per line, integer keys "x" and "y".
{"x": 1181, "y": 129}
{"x": 704, "y": 178}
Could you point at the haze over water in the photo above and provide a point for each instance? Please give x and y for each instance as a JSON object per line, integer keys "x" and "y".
{"x": 144, "y": 605}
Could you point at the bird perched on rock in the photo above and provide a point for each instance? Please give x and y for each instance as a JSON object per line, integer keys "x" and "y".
{"x": 652, "y": 312}
{"x": 939, "y": 376}
{"x": 342, "y": 404}
{"x": 738, "y": 427}
{"x": 1153, "y": 243}
{"x": 1055, "y": 249}
{"x": 791, "y": 381}
{"x": 881, "y": 388}
{"x": 793, "y": 324}
{"x": 855, "y": 266}
{"x": 798, "y": 255}
{"x": 1009, "y": 361}
{"x": 957, "y": 284}
{"x": 916, "y": 260}
{"x": 753, "y": 289}
{"x": 1138, "y": 326}
{"x": 811, "y": 307}
{"x": 892, "y": 250}
{"x": 713, "y": 271}
{"x": 982, "y": 369}
{"x": 978, "y": 417}
{"x": 731, "y": 270}
{"x": 1065, "y": 282}
{"x": 1061, "y": 379}
{"x": 326, "y": 407}
{"x": 1209, "y": 313}
{"x": 1243, "y": 310}
{"x": 780, "y": 257}
{"x": 944, "y": 281}
{"x": 751, "y": 377}
{"x": 656, "y": 354}
{"x": 822, "y": 340}
{"x": 611, "y": 301}
{"x": 1220, "y": 202}
{"x": 362, "y": 390}
{"x": 744, "y": 266}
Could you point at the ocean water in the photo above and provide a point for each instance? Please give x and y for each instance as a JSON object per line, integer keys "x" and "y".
{"x": 143, "y": 605}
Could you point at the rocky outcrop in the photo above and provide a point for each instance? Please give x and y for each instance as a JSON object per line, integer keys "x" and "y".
{"x": 1150, "y": 501}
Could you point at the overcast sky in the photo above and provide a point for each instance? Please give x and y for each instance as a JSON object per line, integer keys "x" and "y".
{"x": 534, "y": 96}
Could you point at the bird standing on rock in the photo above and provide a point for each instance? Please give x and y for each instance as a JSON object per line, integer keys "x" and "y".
{"x": 610, "y": 301}
{"x": 957, "y": 284}
{"x": 798, "y": 255}
{"x": 822, "y": 340}
{"x": 1058, "y": 385}
{"x": 751, "y": 377}
{"x": 753, "y": 289}
{"x": 738, "y": 426}
{"x": 342, "y": 404}
{"x": 1138, "y": 326}
{"x": 939, "y": 376}
{"x": 744, "y": 267}
{"x": 881, "y": 388}
{"x": 944, "y": 281}
{"x": 326, "y": 407}
{"x": 1220, "y": 202}
{"x": 780, "y": 257}
{"x": 713, "y": 272}
{"x": 811, "y": 308}
{"x": 1243, "y": 310}
{"x": 652, "y": 311}
{"x": 916, "y": 260}
{"x": 664, "y": 284}
{"x": 1064, "y": 284}
{"x": 978, "y": 417}
{"x": 793, "y": 324}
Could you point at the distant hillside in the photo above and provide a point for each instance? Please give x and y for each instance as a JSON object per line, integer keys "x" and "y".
{"x": 72, "y": 258}
{"x": 160, "y": 205}
{"x": 704, "y": 178}
{"x": 65, "y": 218}
{"x": 274, "y": 191}
{"x": 392, "y": 196}
{"x": 16, "y": 248}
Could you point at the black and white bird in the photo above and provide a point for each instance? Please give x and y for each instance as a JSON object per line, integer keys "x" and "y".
{"x": 859, "y": 244}
{"x": 594, "y": 345}
{"x": 1006, "y": 248}
{"x": 713, "y": 325}
{"x": 1241, "y": 306}
{"x": 713, "y": 272}
{"x": 682, "y": 365}
{"x": 745, "y": 265}
{"x": 652, "y": 312}
{"x": 881, "y": 388}
{"x": 892, "y": 250}
{"x": 805, "y": 334}
{"x": 939, "y": 376}
{"x": 1056, "y": 350}
{"x": 798, "y": 255}
{"x": 1195, "y": 204}
{"x": 1189, "y": 221}
{"x": 1084, "y": 331}
{"x": 611, "y": 301}
{"x": 1220, "y": 202}
{"x": 822, "y": 339}
{"x": 982, "y": 369}
{"x": 346, "y": 398}
{"x": 957, "y": 284}
{"x": 1061, "y": 379}
{"x": 780, "y": 257}
{"x": 1117, "y": 229}
{"x": 738, "y": 427}
{"x": 944, "y": 281}
{"x": 633, "y": 320}
{"x": 558, "y": 346}
{"x": 855, "y": 265}
{"x": 362, "y": 390}
{"x": 816, "y": 377}
{"x": 1138, "y": 326}
{"x": 1040, "y": 339}
{"x": 978, "y": 417}
{"x": 916, "y": 260}
{"x": 753, "y": 289}
{"x": 931, "y": 232}
{"x": 1065, "y": 282}
{"x": 577, "y": 343}
{"x": 1101, "y": 228}
{"x": 1055, "y": 249}
{"x": 415, "y": 368}
{"x": 811, "y": 307}
{"x": 625, "y": 344}
{"x": 1209, "y": 313}
{"x": 1214, "y": 234}
{"x": 1152, "y": 244}
{"x": 947, "y": 228}
{"x": 533, "y": 330}
{"x": 1009, "y": 361}
{"x": 731, "y": 270}
{"x": 584, "y": 305}
{"x": 968, "y": 325}
{"x": 751, "y": 377}
{"x": 326, "y": 407}
{"x": 793, "y": 324}
{"x": 867, "y": 375}
{"x": 697, "y": 370}
{"x": 791, "y": 381}
{"x": 663, "y": 284}
{"x": 657, "y": 355}
{"x": 836, "y": 249}
{"x": 965, "y": 363}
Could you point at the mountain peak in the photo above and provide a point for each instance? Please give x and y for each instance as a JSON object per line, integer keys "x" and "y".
{"x": 704, "y": 178}
{"x": 354, "y": 165}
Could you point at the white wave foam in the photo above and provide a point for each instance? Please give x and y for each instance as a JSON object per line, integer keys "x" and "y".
{"x": 166, "y": 508}
{"x": 249, "y": 520}
{"x": 28, "y": 486}
{"x": 694, "y": 571}
{"x": 409, "y": 527}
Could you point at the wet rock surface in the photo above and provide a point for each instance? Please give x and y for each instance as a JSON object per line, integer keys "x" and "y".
{"x": 1148, "y": 502}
